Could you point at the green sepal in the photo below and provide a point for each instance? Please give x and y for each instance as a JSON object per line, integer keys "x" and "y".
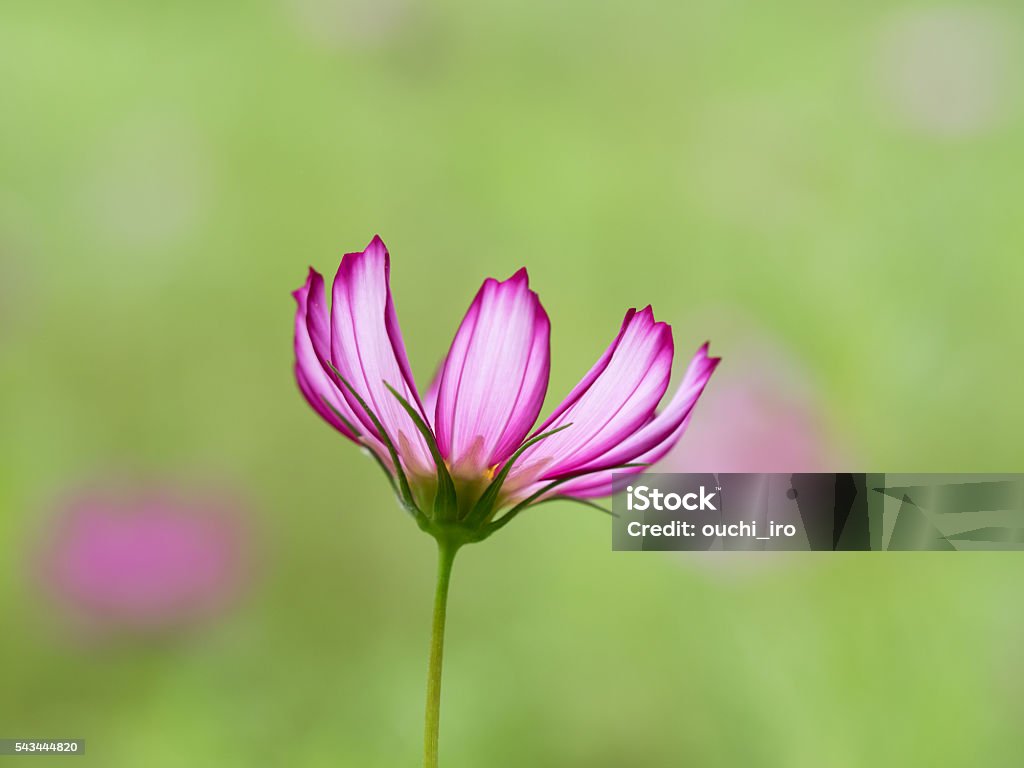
{"x": 405, "y": 492}
{"x": 484, "y": 506}
{"x": 505, "y": 519}
{"x": 444, "y": 499}
{"x": 352, "y": 427}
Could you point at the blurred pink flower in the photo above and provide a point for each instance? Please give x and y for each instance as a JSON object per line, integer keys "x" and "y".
{"x": 762, "y": 416}
{"x": 144, "y": 560}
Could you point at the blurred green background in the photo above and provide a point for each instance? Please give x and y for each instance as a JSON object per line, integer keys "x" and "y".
{"x": 841, "y": 181}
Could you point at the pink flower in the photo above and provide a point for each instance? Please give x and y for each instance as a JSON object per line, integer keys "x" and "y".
{"x": 143, "y": 560}
{"x": 468, "y": 447}
{"x": 763, "y": 416}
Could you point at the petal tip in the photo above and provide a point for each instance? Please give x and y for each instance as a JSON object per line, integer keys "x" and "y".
{"x": 705, "y": 350}
{"x": 374, "y": 248}
{"x": 300, "y": 293}
{"x": 709, "y": 364}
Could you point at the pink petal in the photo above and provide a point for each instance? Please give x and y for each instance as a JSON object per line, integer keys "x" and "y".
{"x": 599, "y": 484}
{"x": 495, "y": 376}
{"x": 367, "y": 348}
{"x": 312, "y": 330}
{"x": 616, "y": 397}
{"x": 663, "y": 431}
{"x": 649, "y": 443}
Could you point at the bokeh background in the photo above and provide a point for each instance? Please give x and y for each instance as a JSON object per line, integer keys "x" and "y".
{"x": 830, "y": 192}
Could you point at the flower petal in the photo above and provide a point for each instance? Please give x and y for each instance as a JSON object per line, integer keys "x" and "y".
{"x": 663, "y": 431}
{"x": 367, "y": 349}
{"x": 495, "y": 376}
{"x": 616, "y": 397}
{"x": 311, "y": 330}
{"x": 651, "y": 442}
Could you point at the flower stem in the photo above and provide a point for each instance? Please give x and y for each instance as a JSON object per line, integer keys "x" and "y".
{"x": 445, "y": 557}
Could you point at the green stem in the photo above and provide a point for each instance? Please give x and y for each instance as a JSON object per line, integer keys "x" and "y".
{"x": 445, "y": 557}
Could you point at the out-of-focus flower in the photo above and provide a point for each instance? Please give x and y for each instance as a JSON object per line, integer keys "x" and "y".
{"x": 144, "y": 560}
{"x": 465, "y": 451}
{"x": 762, "y": 416}
{"x": 947, "y": 72}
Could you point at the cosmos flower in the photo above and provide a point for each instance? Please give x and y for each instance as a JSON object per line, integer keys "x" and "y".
{"x": 466, "y": 458}
{"x": 143, "y": 560}
{"x": 467, "y": 450}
